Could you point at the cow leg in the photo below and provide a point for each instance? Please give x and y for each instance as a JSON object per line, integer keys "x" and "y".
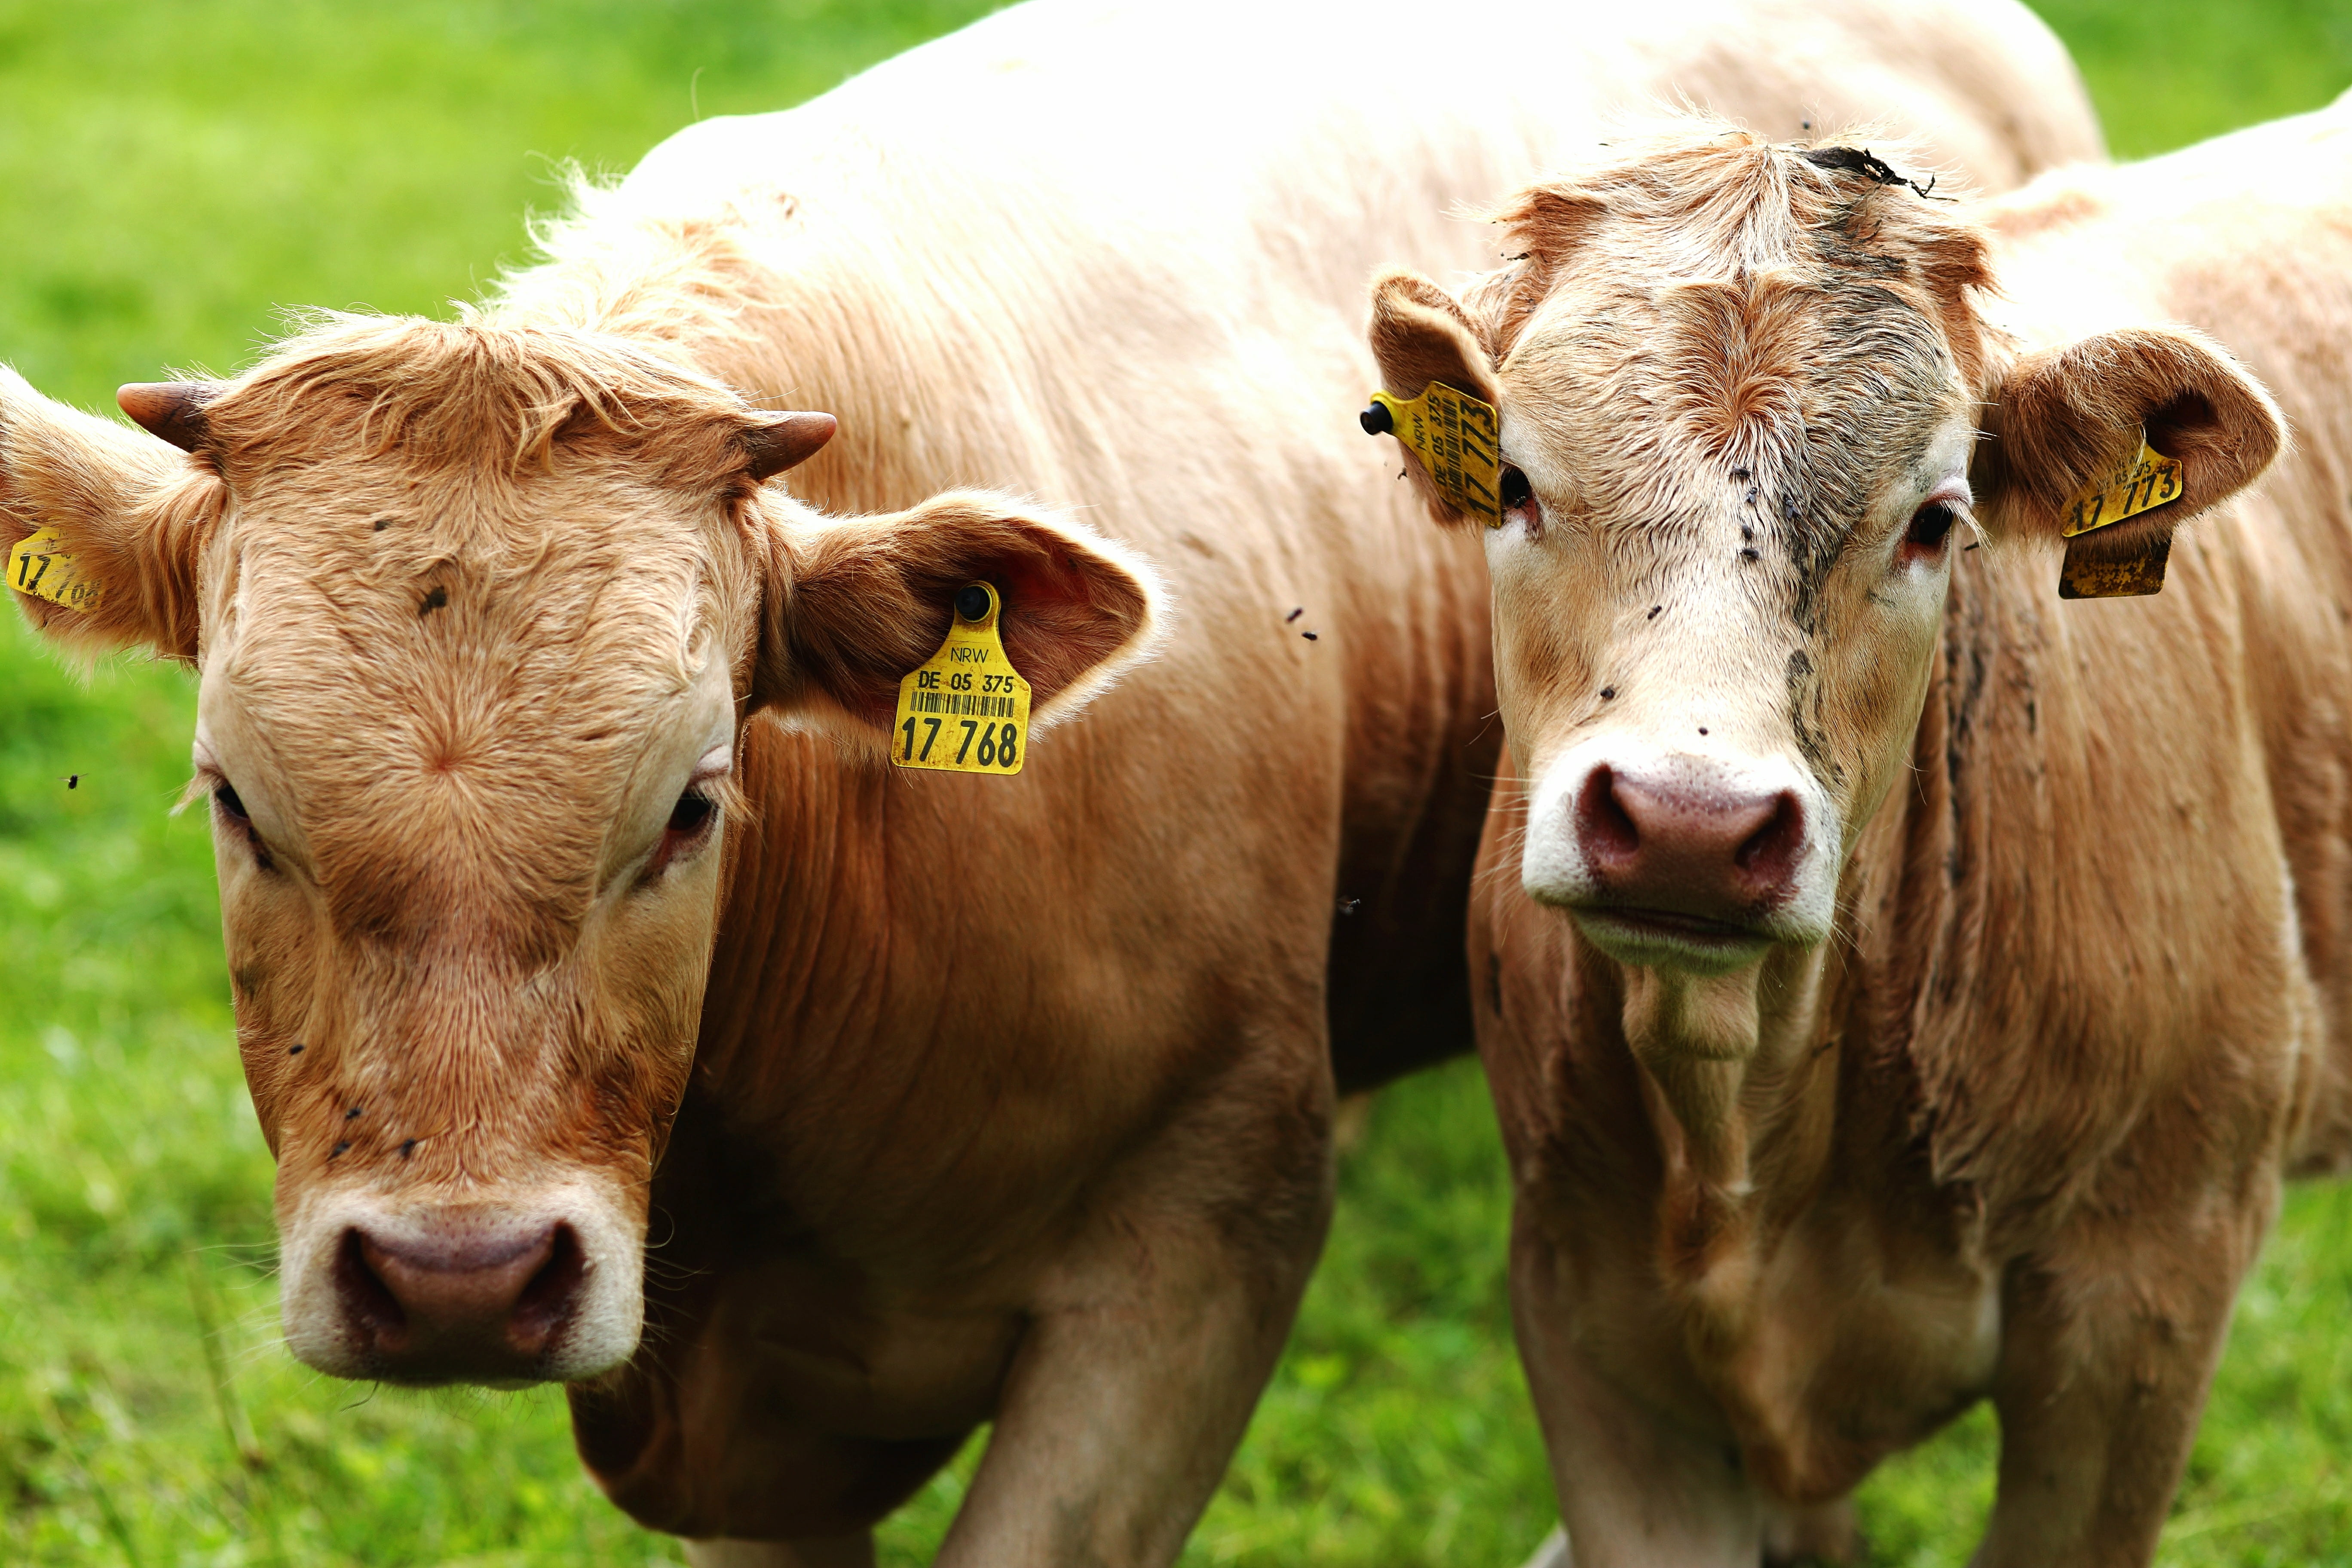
{"x": 1135, "y": 1381}
{"x": 1635, "y": 1487}
{"x": 834, "y": 1551}
{"x": 2107, "y": 1351}
{"x": 1812, "y": 1532}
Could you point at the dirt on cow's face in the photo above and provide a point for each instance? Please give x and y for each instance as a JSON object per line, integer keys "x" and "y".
{"x": 1737, "y": 393}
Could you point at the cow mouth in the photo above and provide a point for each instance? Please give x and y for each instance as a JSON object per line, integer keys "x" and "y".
{"x": 1648, "y": 937}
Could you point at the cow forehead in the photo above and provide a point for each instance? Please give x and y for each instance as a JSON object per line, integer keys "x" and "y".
{"x": 492, "y": 672}
{"x": 1753, "y": 370}
{"x": 1706, "y": 303}
{"x": 530, "y": 599}
{"x": 575, "y": 492}
{"x": 1660, "y": 408}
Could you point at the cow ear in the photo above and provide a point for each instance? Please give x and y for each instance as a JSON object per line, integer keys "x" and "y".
{"x": 1421, "y": 334}
{"x": 865, "y": 600}
{"x": 2062, "y": 419}
{"x": 121, "y": 515}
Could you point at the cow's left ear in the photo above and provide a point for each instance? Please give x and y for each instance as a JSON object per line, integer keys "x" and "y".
{"x": 2062, "y": 419}
{"x": 863, "y": 600}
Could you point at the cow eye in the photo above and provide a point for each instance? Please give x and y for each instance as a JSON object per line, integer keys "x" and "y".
{"x": 1930, "y": 526}
{"x": 690, "y": 814}
{"x": 686, "y": 832}
{"x": 1518, "y": 496}
{"x": 233, "y": 814}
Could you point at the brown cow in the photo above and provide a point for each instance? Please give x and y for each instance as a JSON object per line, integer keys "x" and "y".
{"x": 995, "y": 1098}
{"x": 1901, "y": 987}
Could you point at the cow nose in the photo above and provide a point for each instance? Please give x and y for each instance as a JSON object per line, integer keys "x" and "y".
{"x": 1689, "y": 842}
{"x": 445, "y": 1304}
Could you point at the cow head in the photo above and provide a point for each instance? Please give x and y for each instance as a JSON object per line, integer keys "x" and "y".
{"x": 1748, "y": 412}
{"x": 480, "y": 612}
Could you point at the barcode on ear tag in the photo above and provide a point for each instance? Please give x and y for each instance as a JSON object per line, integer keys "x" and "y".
{"x": 39, "y": 568}
{"x": 966, "y": 710}
{"x": 1459, "y": 443}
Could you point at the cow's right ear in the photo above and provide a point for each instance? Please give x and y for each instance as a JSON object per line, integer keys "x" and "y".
{"x": 123, "y": 510}
{"x": 856, "y": 603}
{"x": 1421, "y": 334}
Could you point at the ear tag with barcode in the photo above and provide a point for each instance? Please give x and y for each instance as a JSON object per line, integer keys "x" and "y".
{"x": 2147, "y": 482}
{"x": 1457, "y": 439}
{"x": 39, "y": 567}
{"x": 965, "y": 711}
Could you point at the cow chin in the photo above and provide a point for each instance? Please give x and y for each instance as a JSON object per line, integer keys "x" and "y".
{"x": 502, "y": 1289}
{"x": 1649, "y": 940}
{"x": 1672, "y": 858}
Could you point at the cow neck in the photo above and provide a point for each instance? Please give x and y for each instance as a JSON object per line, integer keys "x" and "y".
{"x": 805, "y": 934}
{"x": 1739, "y": 1092}
{"x": 1923, "y": 891}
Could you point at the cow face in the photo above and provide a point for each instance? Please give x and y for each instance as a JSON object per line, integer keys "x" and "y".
{"x": 479, "y": 614}
{"x": 1740, "y": 390}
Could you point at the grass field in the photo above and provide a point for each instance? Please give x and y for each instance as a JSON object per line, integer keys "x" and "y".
{"x": 170, "y": 174}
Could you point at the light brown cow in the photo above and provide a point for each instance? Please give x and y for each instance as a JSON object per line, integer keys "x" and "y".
{"x": 1901, "y": 987}
{"x": 993, "y": 1098}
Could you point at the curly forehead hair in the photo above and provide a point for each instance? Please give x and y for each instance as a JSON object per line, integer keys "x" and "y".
{"x": 480, "y": 390}
{"x": 1709, "y": 202}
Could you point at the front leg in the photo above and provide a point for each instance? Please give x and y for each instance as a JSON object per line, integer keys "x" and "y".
{"x": 1136, "y": 1379}
{"x": 1636, "y": 1488}
{"x": 2107, "y": 1349}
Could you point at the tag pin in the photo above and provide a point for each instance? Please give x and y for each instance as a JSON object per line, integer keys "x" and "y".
{"x": 1376, "y": 419}
{"x": 971, "y": 603}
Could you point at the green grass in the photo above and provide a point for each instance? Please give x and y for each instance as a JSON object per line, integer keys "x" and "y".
{"x": 172, "y": 173}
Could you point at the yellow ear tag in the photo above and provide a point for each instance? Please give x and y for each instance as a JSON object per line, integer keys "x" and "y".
{"x": 1457, "y": 439}
{"x": 2147, "y": 482}
{"x": 36, "y": 567}
{"x": 967, "y": 710}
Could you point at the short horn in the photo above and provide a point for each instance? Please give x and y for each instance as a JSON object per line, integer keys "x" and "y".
{"x": 172, "y": 409}
{"x": 785, "y": 441}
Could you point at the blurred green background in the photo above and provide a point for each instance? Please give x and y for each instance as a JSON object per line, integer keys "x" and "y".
{"x": 172, "y": 175}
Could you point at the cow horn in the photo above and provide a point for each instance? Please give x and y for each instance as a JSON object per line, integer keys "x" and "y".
{"x": 172, "y": 409}
{"x": 784, "y": 440}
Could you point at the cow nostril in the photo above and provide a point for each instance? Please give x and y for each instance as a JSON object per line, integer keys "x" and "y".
{"x": 367, "y": 1299}
{"x": 1603, "y": 822}
{"x": 1769, "y": 854}
{"x": 547, "y": 1299}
